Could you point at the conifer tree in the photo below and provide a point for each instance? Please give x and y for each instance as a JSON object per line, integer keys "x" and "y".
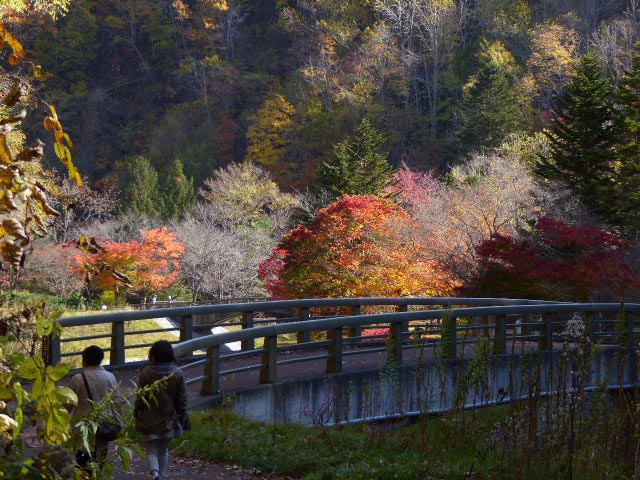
{"x": 582, "y": 138}
{"x": 358, "y": 167}
{"x": 491, "y": 109}
{"x": 625, "y": 212}
{"x": 178, "y": 192}
{"x": 141, "y": 190}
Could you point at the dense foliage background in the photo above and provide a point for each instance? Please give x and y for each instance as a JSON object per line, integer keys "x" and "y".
{"x": 229, "y": 122}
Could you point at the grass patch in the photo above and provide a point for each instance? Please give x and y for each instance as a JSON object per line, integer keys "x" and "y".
{"x": 395, "y": 450}
{"x": 508, "y": 442}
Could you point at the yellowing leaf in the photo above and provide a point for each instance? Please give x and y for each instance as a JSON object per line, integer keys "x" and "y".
{"x": 66, "y": 396}
{"x": 7, "y": 423}
{"x": 5, "y": 153}
{"x": 17, "y": 90}
{"x": 50, "y": 124}
{"x": 21, "y": 393}
{"x": 13, "y": 59}
{"x": 14, "y": 228}
{"x": 31, "y": 368}
{"x": 12, "y": 253}
{"x": 6, "y": 200}
{"x": 14, "y": 44}
{"x": 53, "y": 112}
{"x": 58, "y": 372}
{"x": 19, "y": 418}
{"x": 68, "y": 140}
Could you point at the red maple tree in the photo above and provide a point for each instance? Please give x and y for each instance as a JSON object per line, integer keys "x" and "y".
{"x": 557, "y": 262}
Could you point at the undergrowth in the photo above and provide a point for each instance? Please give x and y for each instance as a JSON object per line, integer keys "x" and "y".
{"x": 578, "y": 431}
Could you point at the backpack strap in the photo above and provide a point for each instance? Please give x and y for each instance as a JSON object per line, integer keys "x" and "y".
{"x": 86, "y": 385}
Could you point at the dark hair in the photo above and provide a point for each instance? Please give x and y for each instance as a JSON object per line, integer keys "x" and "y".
{"x": 161, "y": 352}
{"x": 92, "y": 356}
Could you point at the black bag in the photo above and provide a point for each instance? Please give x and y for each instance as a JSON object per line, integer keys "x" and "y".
{"x": 109, "y": 429}
{"x": 186, "y": 422}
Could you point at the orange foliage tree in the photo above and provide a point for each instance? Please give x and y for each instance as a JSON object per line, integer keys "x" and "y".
{"x": 354, "y": 247}
{"x": 150, "y": 264}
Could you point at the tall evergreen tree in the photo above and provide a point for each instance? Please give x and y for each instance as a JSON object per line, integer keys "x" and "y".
{"x": 490, "y": 109}
{"x": 625, "y": 212}
{"x": 177, "y": 191}
{"x": 141, "y": 188}
{"x": 583, "y": 137}
{"x": 358, "y": 167}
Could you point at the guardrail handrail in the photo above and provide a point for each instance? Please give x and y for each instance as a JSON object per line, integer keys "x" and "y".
{"x": 443, "y": 327}
{"x": 219, "y": 339}
{"x": 93, "y": 319}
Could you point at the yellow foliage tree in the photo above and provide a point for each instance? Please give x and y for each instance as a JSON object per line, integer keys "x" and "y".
{"x": 267, "y": 134}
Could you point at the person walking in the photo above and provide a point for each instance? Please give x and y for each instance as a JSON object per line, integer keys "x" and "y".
{"x": 160, "y": 409}
{"x": 92, "y": 384}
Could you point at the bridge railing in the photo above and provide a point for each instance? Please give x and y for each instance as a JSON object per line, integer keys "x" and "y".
{"x": 187, "y": 324}
{"x": 450, "y": 331}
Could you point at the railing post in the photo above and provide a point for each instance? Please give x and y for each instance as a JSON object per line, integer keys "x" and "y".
{"x": 405, "y": 323}
{"x": 356, "y": 330}
{"x": 303, "y": 337}
{"x": 500, "y": 336}
{"x": 483, "y": 320}
{"x": 49, "y": 342}
{"x": 247, "y": 322}
{"x": 117, "y": 356}
{"x": 211, "y": 382}
{"x": 186, "y": 329}
{"x": 269, "y": 359}
{"x": 334, "y": 362}
{"x": 395, "y": 352}
{"x": 545, "y": 343}
{"x": 449, "y": 337}
{"x": 630, "y": 334}
{"x": 54, "y": 350}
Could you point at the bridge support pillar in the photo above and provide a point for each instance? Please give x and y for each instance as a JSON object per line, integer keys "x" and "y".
{"x": 269, "y": 360}
{"x": 500, "y": 336}
{"x": 449, "y": 337}
{"x": 334, "y": 362}
{"x": 186, "y": 329}
{"x": 545, "y": 344}
{"x": 211, "y": 382}
{"x": 303, "y": 337}
{"x": 117, "y": 355}
{"x": 247, "y": 322}
{"x": 356, "y": 330}
{"x": 396, "y": 332}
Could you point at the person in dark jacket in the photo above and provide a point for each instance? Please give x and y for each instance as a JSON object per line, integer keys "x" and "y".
{"x": 161, "y": 406}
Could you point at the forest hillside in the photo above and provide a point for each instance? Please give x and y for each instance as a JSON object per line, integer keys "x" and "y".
{"x": 430, "y": 146}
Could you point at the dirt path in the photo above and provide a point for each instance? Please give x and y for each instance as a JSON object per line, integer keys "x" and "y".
{"x": 179, "y": 467}
{"x": 193, "y": 469}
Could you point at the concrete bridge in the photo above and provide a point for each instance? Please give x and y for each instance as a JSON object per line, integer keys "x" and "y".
{"x": 331, "y": 362}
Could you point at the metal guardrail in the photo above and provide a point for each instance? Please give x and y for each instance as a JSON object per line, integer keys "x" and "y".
{"x": 540, "y": 324}
{"x": 333, "y": 336}
{"x": 249, "y": 314}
